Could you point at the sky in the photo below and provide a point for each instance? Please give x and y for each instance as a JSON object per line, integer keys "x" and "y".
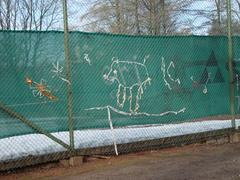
{"x": 200, "y": 20}
{"x": 80, "y": 7}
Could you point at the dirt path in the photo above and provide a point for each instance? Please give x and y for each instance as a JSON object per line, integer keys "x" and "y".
{"x": 191, "y": 162}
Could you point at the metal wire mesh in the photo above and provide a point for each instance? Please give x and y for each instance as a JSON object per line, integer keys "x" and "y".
{"x": 140, "y": 71}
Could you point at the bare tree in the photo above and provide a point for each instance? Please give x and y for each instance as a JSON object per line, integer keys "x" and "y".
{"x": 136, "y": 12}
{"x": 154, "y": 17}
{"x": 29, "y": 14}
{"x": 236, "y": 11}
{"x": 217, "y": 18}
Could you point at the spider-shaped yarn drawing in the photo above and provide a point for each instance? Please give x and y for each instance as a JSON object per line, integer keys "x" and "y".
{"x": 40, "y": 89}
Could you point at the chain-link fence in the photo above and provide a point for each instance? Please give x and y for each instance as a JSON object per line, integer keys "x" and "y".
{"x": 166, "y": 78}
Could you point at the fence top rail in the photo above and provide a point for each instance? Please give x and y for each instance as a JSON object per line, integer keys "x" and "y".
{"x": 116, "y": 35}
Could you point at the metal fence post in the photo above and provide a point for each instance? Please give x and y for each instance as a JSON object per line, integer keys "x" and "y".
{"x": 230, "y": 62}
{"x": 68, "y": 75}
{"x": 32, "y": 125}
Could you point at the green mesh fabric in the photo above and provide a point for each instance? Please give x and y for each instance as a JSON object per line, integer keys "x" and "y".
{"x": 140, "y": 80}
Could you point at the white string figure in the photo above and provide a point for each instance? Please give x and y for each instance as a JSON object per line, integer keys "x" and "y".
{"x": 58, "y": 72}
{"x": 87, "y": 59}
{"x": 195, "y": 82}
{"x": 169, "y": 75}
{"x": 121, "y": 104}
{"x": 205, "y": 90}
{"x": 166, "y": 72}
{"x": 145, "y": 59}
{"x": 120, "y": 73}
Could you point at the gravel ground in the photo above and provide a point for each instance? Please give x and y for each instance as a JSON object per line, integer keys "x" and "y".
{"x": 190, "y": 162}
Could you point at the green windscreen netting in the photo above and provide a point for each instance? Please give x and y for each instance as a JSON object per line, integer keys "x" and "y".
{"x": 139, "y": 80}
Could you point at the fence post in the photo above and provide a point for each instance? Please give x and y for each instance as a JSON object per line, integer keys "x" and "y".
{"x": 68, "y": 76}
{"x": 230, "y": 62}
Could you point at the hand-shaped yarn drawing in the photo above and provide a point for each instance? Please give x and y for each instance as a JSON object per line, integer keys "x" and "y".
{"x": 132, "y": 77}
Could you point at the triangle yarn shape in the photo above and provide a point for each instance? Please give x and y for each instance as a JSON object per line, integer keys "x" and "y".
{"x": 218, "y": 77}
{"x": 212, "y": 61}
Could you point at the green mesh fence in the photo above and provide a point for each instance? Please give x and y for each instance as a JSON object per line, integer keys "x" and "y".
{"x": 33, "y": 56}
{"x": 139, "y": 80}
{"x": 146, "y": 82}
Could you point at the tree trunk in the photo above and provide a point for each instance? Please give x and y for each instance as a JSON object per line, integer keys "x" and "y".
{"x": 118, "y": 16}
{"x": 218, "y": 5}
{"x": 163, "y": 17}
{"x": 8, "y": 15}
{"x": 31, "y": 14}
{"x": 137, "y": 17}
{"x": 1, "y": 17}
{"x": 155, "y": 17}
{"x": 151, "y": 22}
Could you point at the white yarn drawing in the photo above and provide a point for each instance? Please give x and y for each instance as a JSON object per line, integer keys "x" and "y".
{"x": 87, "y": 59}
{"x": 58, "y": 72}
{"x": 166, "y": 73}
{"x": 129, "y": 75}
{"x": 205, "y": 89}
{"x": 145, "y": 59}
{"x": 110, "y": 108}
{"x": 117, "y": 73}
{"x": 137, "y": 113}
{"x": 121, "y": 72}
